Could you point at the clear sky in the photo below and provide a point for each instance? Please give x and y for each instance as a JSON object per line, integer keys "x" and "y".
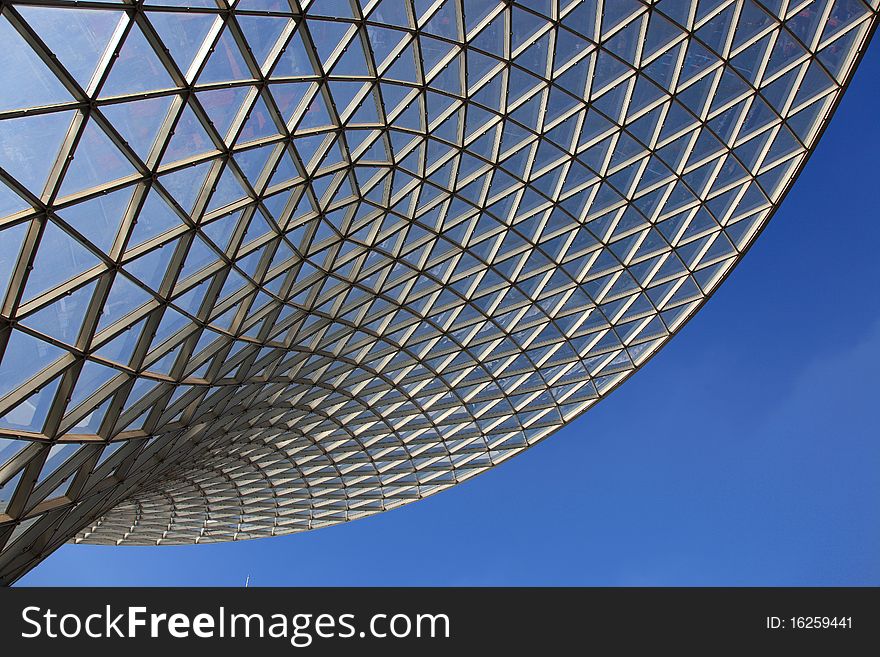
{"x": 746, "y": 453}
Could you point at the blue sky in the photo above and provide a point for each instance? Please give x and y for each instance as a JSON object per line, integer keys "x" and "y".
{"x": 745, "y": 453}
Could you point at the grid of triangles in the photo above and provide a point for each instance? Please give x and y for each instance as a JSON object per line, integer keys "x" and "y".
{"x": 269, "y": 265}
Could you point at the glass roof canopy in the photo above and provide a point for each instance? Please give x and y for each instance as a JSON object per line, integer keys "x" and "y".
{"x": 270, "y": 265}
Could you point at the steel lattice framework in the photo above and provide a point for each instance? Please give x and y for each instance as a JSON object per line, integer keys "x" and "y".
{"x": 270, "y": 265}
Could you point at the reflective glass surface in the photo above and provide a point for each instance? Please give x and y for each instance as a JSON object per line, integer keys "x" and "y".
{"x": 270, "y": 265}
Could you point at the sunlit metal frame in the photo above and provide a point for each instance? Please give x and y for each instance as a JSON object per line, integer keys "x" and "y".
{"x": 450, "y": 268}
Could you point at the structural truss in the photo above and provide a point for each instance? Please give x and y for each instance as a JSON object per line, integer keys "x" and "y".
{"x": 271, "y": 265}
